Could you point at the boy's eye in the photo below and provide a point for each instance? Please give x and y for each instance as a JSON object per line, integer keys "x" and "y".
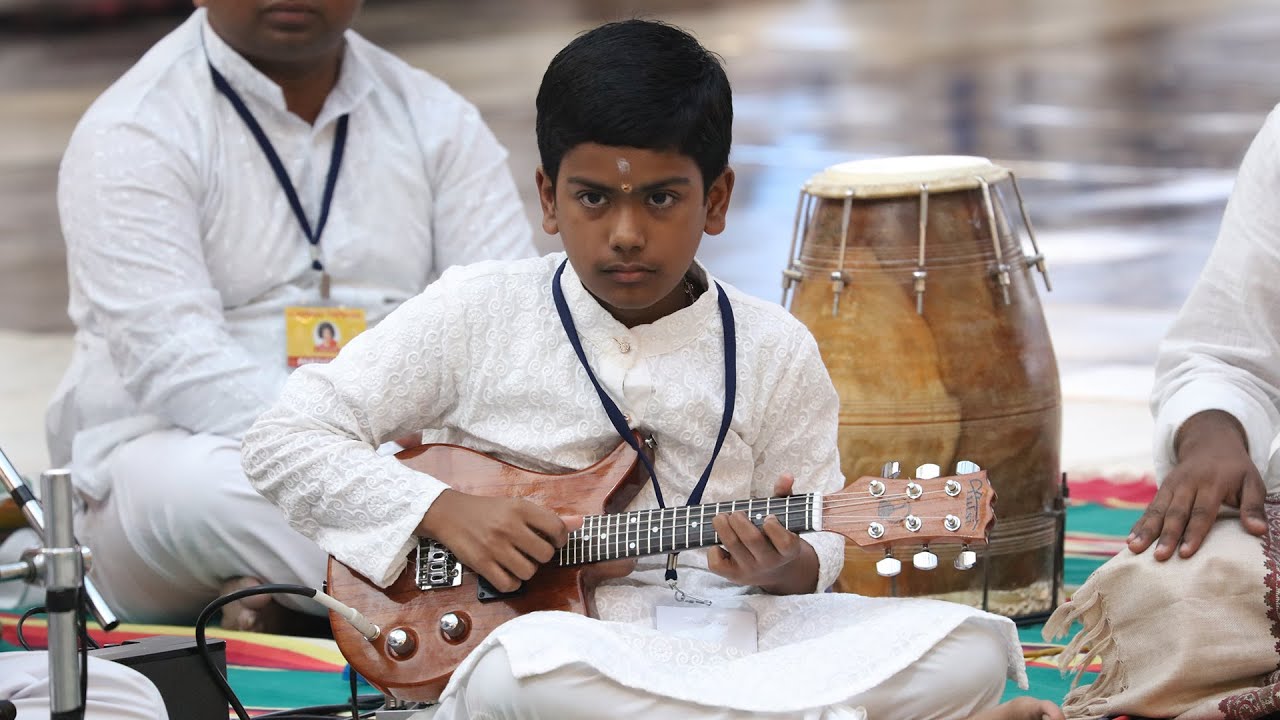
{"x": 662, "y": 199}
{"x": 591, "y": 199}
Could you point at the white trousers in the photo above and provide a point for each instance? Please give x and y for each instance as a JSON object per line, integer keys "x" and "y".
{"x": 181, "y": 520}
{"x": 116, "y": 692}
{"x": 962, "y": 674}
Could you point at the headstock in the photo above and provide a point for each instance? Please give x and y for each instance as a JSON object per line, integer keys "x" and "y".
{"x": 890, "y": 510}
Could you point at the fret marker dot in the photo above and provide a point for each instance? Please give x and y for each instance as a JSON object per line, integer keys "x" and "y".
{"x": 693, "y": 524}
{"x": 653, "y": 530}
{"x": 632, "y": 546}
{"x": 632, "y": 520}
{"x": 604, "y": 535}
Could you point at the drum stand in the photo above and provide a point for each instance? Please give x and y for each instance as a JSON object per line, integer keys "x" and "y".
{"x": 60, "y": 564}
{"x": 1059, "y": 514}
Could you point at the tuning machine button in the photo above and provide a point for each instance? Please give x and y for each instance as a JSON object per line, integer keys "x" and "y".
{"x": 966, "y": 559}
{"x": 888, "y": 566}
{"x": 925, "y": 560}
{"x": 891, "y": 469}
{"x": 928, "y": 471}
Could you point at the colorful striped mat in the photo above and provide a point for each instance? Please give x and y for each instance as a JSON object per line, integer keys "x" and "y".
{"x": 274, "y": 672}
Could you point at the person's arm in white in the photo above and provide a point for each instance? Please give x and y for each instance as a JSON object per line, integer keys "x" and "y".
{"x": 1216, "y": 399}
{"x": 314, "y": 452}
{"x": 129, "y": 199}
{"x": 477, "y": 213}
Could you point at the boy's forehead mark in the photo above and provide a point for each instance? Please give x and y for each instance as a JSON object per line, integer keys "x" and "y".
{"x": 624, "y": 168}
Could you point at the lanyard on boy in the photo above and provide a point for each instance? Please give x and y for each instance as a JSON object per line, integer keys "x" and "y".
{"x": 331, "y": 181}
{"x": 620, "y": 422}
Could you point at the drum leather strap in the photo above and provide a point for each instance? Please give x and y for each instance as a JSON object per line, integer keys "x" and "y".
{"x": 619, "y": 420}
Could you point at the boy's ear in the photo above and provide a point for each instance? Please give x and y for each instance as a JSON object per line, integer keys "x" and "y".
{"x": 718, "y": 196}
{"x": 547, "y": 198}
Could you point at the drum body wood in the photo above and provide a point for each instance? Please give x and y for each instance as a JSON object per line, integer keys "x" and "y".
{"x": 933, "y": 365}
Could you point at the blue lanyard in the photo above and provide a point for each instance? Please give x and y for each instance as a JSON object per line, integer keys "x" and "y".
{"x": 616, "y": 416}
{"x": 335, "y": 163}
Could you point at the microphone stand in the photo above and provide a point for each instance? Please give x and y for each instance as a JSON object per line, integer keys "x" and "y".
{"x": 61, "y": 563}
{"x": 21, "y": 494}
{"x": 63, "y": 574}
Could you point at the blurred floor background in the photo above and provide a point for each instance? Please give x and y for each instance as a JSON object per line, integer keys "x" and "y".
{"x": 1125, "y": 122}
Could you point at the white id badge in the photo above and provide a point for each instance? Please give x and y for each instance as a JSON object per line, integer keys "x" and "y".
{"x": 729, "y": 626}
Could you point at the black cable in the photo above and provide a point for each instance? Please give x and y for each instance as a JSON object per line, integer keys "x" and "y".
{"x": 215, "y": 606}
{"x": 355, "y": 707}
{"x": 22, "y": 640}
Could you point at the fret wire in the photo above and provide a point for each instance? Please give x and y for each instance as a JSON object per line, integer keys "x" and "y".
{"x": 648, "y": 532}
{"x": 638, "y": 525}
{"x": 675, "y": 529}
{"x": 686, "y": 527}
{"x": 603, "y": 536}
{"x": 591, "y": 546}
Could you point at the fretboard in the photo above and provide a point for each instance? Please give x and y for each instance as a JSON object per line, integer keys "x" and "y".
{"x": 652, "y": 532}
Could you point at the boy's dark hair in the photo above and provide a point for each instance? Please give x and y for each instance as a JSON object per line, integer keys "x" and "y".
{"x": 636, "y": 83}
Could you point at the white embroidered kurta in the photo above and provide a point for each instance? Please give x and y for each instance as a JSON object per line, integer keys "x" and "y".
{"x": 183, "y": 251}
{"x": 1223, "y": 352}
{"x": 482, "y": 356}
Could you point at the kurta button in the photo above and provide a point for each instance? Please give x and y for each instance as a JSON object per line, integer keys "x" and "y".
{"x": 623, "y": 345}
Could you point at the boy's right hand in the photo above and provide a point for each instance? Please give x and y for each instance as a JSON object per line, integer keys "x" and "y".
{"x": 503, "y": 539}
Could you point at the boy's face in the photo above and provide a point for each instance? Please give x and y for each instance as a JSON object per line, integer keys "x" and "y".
{"x": 287, "y": 31}
{"x": 631, "y": 221}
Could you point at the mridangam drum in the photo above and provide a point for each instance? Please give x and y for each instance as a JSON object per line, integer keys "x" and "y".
{"x": 925, "y": 309}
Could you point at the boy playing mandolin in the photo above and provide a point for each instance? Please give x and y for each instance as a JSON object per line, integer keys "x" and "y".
{"x": 549, "y": 364}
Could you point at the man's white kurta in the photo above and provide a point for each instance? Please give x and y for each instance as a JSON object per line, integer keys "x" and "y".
{"x": 183, "y": 251}
{"x": 1223, "y": 352}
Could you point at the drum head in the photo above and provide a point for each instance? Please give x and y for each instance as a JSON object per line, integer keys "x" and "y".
{"x": 898, "y": 176}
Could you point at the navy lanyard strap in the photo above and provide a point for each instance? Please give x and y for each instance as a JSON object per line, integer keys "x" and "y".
{"x": 331, "y": 181}
{"x": 611, "y": 408}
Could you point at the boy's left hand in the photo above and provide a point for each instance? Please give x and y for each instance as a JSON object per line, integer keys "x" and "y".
{"x": 771, "y": 557}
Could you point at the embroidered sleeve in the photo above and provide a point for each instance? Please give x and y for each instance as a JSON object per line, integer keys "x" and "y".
{"x": 799, "y": 437}
{"x": 314, "y": 454}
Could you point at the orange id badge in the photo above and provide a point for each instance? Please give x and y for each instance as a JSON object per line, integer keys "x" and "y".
{"x": 316, "y": 334}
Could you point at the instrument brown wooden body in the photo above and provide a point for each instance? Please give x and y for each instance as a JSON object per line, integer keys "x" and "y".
{"x": 869, "y": 511}
{"x": 602, "y": 488}
{"x": 971, "y": 376}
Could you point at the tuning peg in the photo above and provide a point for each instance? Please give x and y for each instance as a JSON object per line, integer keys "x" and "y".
{"x": 888, "y": 566}
{"x": 891, "y": 469}
{"x": 964, "y": 467}
{"x": 928, "y": 471}
{"x": 925, "y": 560}
{"x": 966, "y": 559}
